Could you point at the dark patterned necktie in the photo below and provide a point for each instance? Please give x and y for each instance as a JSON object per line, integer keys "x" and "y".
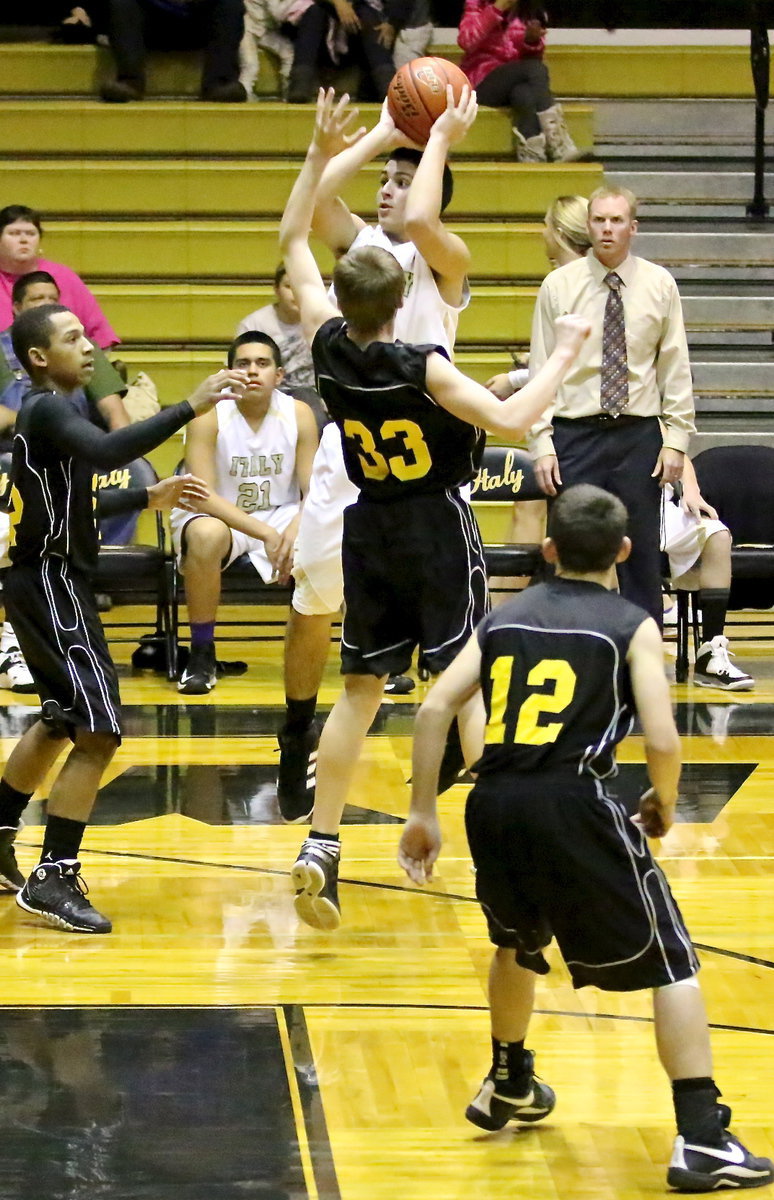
{"x": 614, "y": 389}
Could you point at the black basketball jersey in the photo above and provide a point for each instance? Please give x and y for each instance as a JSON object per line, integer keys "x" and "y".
{"x": 53, "y": 485}
{"x": 397, "y": 441}
{"x": 555, "y": 679}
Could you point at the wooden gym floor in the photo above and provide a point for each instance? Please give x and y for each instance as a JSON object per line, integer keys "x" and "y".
{"x": 212, "y": 1048}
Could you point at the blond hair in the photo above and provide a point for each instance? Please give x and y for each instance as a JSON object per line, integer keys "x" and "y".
{"x": 604, "y": 192}
{"x": 566, "y": 218}
{"x": 369, "y": 284}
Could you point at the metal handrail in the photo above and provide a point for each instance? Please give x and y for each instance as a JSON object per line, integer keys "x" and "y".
{"x": 758, "y": 209}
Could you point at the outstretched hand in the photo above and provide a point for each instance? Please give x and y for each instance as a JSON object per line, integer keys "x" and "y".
{"x": 331, "y": 121}
{"x": 225, "y": 384}
{"x": 178, "y": 491}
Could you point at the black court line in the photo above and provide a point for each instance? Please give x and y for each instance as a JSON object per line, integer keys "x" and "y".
{"x": 365, "y": 883}
{"x": 375, "y": 1005}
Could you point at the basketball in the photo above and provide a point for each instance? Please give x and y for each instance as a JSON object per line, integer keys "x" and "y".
{"x": 417, "y": 94}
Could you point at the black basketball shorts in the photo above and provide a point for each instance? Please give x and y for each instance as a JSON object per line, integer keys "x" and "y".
{"x": 55, "y": 618}
{"x": 555, "y": 855}
{"x": 414, "y": 575}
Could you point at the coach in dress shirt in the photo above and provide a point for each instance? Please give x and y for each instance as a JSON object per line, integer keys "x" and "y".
{"x": 636, "y": 447}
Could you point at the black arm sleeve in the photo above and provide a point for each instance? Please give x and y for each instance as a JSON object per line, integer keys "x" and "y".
{"x": 70, "y": 433}
{"x": 111, "y": 502}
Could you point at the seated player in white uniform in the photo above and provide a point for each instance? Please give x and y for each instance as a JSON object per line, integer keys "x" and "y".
{"x": 414, "y": 190}
{"x": 699, "y": 550}
{"x": 256, "y": 455}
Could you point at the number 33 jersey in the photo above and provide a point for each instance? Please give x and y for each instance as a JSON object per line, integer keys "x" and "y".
{"x": 397, "y": 441}
{"x": 555, "y": 679}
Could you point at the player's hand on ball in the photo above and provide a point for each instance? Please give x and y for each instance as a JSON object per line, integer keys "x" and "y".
{"x": 393, "y": 136}
{"x": 333, "y": 121}
{"x": 419, "y": 847}
{"x": 571, "y": 332}
{"x": 178, "y": 491}
{"x": 459, "y": 116}
{"x": 654, "y": 818}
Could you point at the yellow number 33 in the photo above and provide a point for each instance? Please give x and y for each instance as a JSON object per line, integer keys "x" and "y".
{"x": 375, "y": 465}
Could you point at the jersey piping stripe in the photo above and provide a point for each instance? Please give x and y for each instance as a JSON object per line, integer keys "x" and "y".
{"x": 49, "y": 565}
{"x": 475, "y": 559}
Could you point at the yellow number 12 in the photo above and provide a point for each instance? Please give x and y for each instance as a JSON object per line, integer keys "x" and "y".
{"x": 528, "y": 730}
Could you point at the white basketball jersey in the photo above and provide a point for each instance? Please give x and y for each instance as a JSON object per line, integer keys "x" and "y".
{"x": 256, "y": 468}
{"x": 424, "y": 317}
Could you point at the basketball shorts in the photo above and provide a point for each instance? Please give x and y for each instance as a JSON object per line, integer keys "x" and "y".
{"x": 683, "y": 536}
{"x": 53, "y": 614}
{"x": 317, "y": 561}
{"x": 557, "y": 856}
{"x": 414, "y": 575}
{"x": 241, "y": 543}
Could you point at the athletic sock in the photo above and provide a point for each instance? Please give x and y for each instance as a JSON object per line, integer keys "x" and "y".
{"x": 12, "y": 805}
{"x": 62, "y": 839}
{"x": 509, "y": 1060}
{"x": 202, "y": 633}
{"x": 299, "y": 714}
{"x": 714, "y": 606}
{"x": 315, "y": 836}
{"x": 696, "y": 1110}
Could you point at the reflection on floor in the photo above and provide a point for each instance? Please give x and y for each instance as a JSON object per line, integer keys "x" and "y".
{"x": 214, "y": 1048}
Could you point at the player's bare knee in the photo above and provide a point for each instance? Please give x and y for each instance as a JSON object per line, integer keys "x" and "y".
{"x": 97, "y": 747}
{"x": 206, "y": 541}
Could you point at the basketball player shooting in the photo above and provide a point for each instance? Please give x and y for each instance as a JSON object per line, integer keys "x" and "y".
{"x": 414, "y": 572}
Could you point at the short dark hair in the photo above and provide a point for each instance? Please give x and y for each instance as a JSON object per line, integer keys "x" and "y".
{"x": 34, "y": 328}
{"x": 254, "y": 335}
{"x": 19, "y": 289}
{"x": 19, "y": 212}
{"x": 587, "y": 526}
{"x": 406, "y": 154}
{"x": 369, "y": 284}
{"x": 280, "y": 274}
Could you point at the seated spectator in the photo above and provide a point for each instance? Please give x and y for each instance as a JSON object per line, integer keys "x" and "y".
{"x": 264, "y": 30}
{"x": 413, "y": 40}
{"x": 20, "y": 235}
{"x": 342, "y": 33}
{"x": 282, "y": 322}
{"x": 699, "y": 550}
{"x": 504, "y": 42}
{"x": 214, "y": 26}
{"x": 256, "y": 455}
{"x": 100, "y": 401}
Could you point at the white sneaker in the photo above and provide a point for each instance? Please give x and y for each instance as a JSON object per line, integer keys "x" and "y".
{"x": 14, "y": 672}
{"x": 714, "y": 668}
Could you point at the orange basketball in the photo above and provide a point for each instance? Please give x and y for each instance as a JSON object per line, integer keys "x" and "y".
{"x": 417, "y": 94}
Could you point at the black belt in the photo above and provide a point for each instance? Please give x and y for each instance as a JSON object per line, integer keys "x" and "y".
{"x": 602, "y": 419}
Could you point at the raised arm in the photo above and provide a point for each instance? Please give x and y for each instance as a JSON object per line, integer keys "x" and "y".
{"x": 444, "y": 252}
{"x": 331, "y": 121}
{"x": 332, "y": 221}
{"x": 509, "y": 418}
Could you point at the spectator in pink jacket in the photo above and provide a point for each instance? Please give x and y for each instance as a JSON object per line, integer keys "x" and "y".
{"x": 20, "y": 234}
{"x": 503, "y": 42}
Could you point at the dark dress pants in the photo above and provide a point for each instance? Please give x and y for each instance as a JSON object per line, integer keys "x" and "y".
{"x": 216, "y": 26}
{"x": 619, "y": 456}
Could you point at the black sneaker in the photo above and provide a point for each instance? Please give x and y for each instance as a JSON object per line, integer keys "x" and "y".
{"x": 200, "y": 671}
{"x": 697, "y": 1168}
{"x": 315, "y": 877}
{"x": 56, "y": 892}
{"x": 399, "y": 685}
{"x": 297, "y": 775}
{"x": 11, "y": 878}
{"x": 500, "y": 1101}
